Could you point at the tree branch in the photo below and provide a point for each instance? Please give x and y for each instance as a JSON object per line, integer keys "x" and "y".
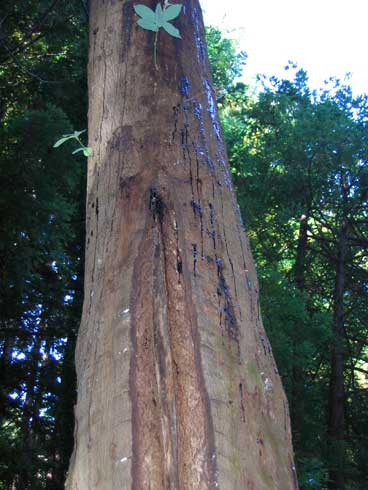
{"x": 21, "y": 46}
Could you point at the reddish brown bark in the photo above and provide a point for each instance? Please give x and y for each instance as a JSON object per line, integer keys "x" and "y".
{"x": 177, "y": 385}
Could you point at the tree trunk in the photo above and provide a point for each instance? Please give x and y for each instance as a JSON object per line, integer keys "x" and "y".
{"x": 297, "y": 403}
{"x": 63, "y": 433}
{"x": 177, "y": 385}
{"x": 336, "y": 421}
{"x": 299, "y": 268}
{"x": 30, "y": 416}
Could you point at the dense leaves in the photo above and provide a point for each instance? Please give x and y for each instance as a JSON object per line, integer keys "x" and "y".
{"x": 43, "y": 94}
{"x": 299, "y": 163}
{"x": 226, "y": 62}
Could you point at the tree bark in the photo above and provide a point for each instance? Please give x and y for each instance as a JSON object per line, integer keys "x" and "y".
{"x": 297, "y": 403}
{"x": 177, "y": 385}
{"x": 299, "y": 268}
{"x": 336, "y": 420}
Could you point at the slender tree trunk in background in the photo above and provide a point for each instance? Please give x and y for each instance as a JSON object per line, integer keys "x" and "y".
{"x": 63, "y": 433}
{"x": 299, "y": 269}
{"x": 30, "y": 414}
{"x": 297, "y": 402}
{"x": 7, "y": 344}
{"x": 177, "y": 385}
{"x": 336, "y": 421}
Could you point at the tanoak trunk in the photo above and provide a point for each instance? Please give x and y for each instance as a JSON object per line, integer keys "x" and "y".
{"x": 177, "y": 385}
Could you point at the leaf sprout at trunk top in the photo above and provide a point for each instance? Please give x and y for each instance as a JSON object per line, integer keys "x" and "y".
{"x": 154, "y": 20}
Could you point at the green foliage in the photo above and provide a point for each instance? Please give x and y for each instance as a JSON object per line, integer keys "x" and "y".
{"x": 38, "y": 234}
{"x": 300, "y": 160}
{"x": 313, "y": 475}
{"x": 87, "y": 151}
{"x": 284, "y": 307}
{"x": 43, "y": 55}
{"x": 154, "y": 20}
{"x": 226, "y": 62}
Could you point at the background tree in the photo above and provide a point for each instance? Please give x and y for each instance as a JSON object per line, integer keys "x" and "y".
{"x": 300, "y": 163}
{"x": 42, "y": 85}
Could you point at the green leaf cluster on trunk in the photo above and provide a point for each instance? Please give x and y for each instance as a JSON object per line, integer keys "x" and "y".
{"x": 154, "y": 20}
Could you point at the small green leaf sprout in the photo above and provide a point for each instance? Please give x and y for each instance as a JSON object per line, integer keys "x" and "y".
{"x": 154, "y": 20}
{"x": 87, "y": 151}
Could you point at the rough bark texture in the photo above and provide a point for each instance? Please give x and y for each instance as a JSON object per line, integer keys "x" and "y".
{"x": 177, "y": 385}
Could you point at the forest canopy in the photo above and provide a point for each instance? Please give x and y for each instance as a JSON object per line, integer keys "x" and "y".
{"x": 299, "y": 165}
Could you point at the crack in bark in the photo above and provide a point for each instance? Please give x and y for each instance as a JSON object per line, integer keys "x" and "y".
{"x": 173, "y": 441}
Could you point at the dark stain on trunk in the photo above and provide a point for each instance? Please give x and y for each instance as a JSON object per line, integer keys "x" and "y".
{"x": 166, "y": 377}
{"x": 128, "y": 13}
{"x": 230, "y": 321}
